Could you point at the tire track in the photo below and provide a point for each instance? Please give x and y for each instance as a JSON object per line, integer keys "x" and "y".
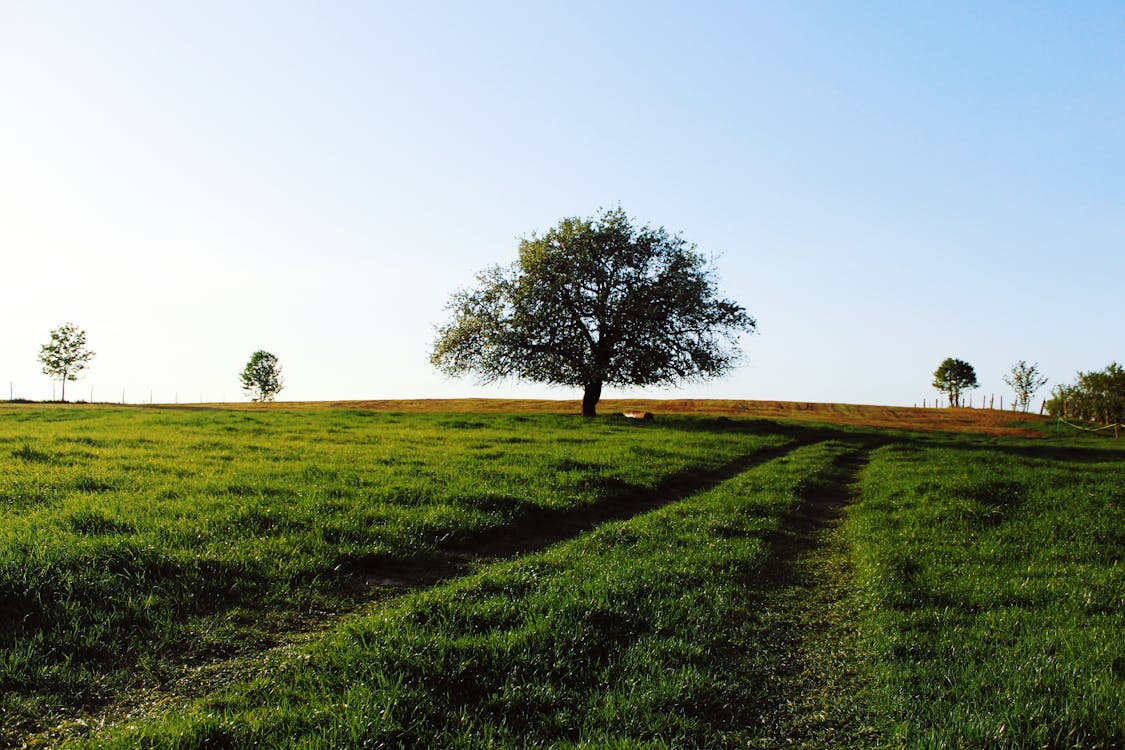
{"x": 381, "y": 583}
{"x": 808, "y": 620}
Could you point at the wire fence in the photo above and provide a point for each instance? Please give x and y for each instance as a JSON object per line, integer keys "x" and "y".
{"x": 985, "y": 402}
{"x": 85, "y": 394}
{"x": 1116, "y": 427}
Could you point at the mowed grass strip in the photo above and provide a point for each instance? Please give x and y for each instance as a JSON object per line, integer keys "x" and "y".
{"x": 994, "y": 594}
{"x": 135, "y": 543}
{"x": 641, "y": 633}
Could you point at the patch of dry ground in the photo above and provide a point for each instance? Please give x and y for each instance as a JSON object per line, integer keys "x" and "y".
{"x": 978, "y": 421}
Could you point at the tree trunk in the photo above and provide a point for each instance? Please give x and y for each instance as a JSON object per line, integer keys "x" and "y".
{"x": 590, "y": 399}
{"x": 64, "y": 388}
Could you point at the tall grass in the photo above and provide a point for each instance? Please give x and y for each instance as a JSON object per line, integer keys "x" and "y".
{"x": 994, "y": 586}
{"x": 641, "y": 633}
{"x": 136, "y": 543}
{"x": 492, "y": 580}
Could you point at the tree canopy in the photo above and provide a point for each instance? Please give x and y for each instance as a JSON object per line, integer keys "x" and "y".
{"x": 954, "y": 376}
{"x": 594, "y": 301}
{"x": 65, "y": 355}
{"x": 261, "y": 378}
{"x": 1096, "y": 396}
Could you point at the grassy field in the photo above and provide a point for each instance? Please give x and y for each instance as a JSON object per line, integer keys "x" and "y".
{"x": 994, "y": 585}
{"x": 315, "y": 576}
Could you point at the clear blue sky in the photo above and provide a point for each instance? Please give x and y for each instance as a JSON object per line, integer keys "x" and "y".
{"x": 883, "y": 184}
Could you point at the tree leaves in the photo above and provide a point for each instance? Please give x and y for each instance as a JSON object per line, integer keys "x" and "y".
{"x": 953, "y": 376}
{"x": 261, "y": 378}
{"x": 594, "y": 301}
{"x": 66, "y": 355}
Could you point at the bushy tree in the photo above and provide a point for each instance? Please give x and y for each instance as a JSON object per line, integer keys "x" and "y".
{"x": 1025, "y": 380}
{"x": 1062, "y": 399}
{"x": 954, "y": 376}
{"x": 1097, "y": 396}
{"x": 594, "y": 301}
{"x": 65, "y": 355}
{"x": 261, "y": 378}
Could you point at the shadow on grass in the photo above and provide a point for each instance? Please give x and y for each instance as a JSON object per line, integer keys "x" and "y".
{"x": 534, "y": 528}
{"x": 1038, "y": 450}
{"x": 793, "y": 646}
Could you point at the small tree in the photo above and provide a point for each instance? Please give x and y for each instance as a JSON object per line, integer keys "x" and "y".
{"x": 592, "y": 302}
{"x": 261, "y": 378}
{"x": 1025, "y": 380}
{"x": 66, "y": 355}
{"x": 953, "y": 376}
{"x": 1062, "y": 401}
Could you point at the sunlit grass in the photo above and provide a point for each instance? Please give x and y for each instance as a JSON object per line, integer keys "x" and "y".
{"x": 460, "y": 580}
{"x": 133, "y": 542}
{"x": 643, "y": 631}
{"x": 995, "y": 594}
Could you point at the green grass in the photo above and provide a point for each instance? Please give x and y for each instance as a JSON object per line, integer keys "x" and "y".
{"x": 643, "y": 631}
{"x": 135, "y": 542}
{"x": 345, "y": 578}
{"x": 994, "y": 591}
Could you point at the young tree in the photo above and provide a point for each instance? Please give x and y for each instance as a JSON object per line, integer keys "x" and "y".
{"x": 593, "y": 302}
{"x": 65, "y": 355}
{"x": 1025, "y": 380}
{"x": 261, "y": 378}
{"x": 1062, "y": 401}
{"x": 953, "y": 376}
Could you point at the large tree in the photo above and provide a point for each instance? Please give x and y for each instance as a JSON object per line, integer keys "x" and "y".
{"x": 1025, "y": 380}
{"x": 261, "y": 378}
{"x": 954, "y": 376}
{"x": 592, "y": 302}
{"x": 65, "y": 355}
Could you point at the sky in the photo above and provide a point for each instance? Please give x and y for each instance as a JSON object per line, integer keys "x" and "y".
{"x": 881, "y": 185}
